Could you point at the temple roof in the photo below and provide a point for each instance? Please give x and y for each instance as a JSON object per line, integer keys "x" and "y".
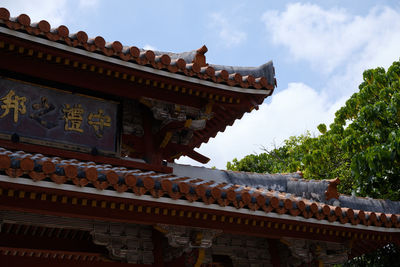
{"x": 192, "y": 63}
{"x": 236, "y": 192}
{"x": 281, "y": 194}
{"x": 209, "y": 97}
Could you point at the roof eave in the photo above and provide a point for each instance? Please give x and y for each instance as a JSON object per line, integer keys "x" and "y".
{"x": 132, "y": 65}
{"x": 180, "y": 202}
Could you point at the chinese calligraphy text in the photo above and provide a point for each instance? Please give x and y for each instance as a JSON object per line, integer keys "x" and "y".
{"x": 49, "y": 116}
{"x": 14, "y": 102}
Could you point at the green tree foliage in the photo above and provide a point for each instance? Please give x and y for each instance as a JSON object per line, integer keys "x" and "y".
{"x": 361, "y": 147}
{"x": 370, "y": 134}
{"x": 286, "y": 158}
{"x": 383, "y": 257}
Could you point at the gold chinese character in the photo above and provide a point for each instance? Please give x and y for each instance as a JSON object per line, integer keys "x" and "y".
{"x": 98, "y": 122}
{"x": 73, "y": 117}
{"x": 12, "y": 101}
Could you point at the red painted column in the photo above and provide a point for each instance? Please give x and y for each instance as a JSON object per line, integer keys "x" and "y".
{"x": 274, "y": 252}
{"x": 152, "y": 153}
{"x": 158, "y": 252}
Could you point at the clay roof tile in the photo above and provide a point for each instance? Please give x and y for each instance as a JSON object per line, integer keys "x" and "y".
{"x": 116, "y": 46}
{"x": 61, "y": 31}
{"x": 81, "y": 36}
{"x": 132, "y": 51}
{"x": 98, "y": 41}
{"x": 24, "y": 19}
{"x": 4, "y": 14}
{"x": 42, "y": 25}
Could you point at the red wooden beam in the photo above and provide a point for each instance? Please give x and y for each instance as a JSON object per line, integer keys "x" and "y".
{"x": 49, "y": 243}
{"x": 18, "y": 261}
{"x": 172, "y": 149}
{"x": 197, "y": 156}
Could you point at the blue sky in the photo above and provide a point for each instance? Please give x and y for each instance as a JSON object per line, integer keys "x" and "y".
{"x": 319, "y": 50}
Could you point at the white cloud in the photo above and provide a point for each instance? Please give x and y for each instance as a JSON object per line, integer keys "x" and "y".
{"x": 37, "y": 10}
{"x": 292, "y": 111}
{"x": 88, "y": 3}
{"x": 228, "y": 31}
{"x": 331, "y": 38}
{"x": 340, "y": 46}
{"x": 149, "y": 47}
{"x": 56, "y": 12}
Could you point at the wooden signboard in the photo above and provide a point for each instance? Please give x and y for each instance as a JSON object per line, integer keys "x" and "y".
{"x": 52, "y": 117}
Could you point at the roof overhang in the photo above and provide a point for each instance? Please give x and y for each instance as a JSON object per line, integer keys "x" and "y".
{"x": 185, "y": 203}
{"x": 131, "y": 65}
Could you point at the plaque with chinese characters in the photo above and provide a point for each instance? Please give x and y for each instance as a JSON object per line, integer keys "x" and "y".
{"x": 53, "y": 117}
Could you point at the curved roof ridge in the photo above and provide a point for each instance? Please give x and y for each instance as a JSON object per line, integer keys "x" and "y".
{"x": 266, "y": 70}
{"x": 188, "y": 56}
{"x": 370, "y": 204}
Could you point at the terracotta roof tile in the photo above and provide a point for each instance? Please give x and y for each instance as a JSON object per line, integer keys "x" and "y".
{"x": 104, "y": 176}
{"x": 188, "y": 63}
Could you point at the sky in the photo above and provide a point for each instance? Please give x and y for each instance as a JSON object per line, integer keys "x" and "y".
{"x": 319, "y": 49}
